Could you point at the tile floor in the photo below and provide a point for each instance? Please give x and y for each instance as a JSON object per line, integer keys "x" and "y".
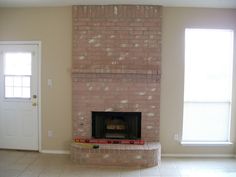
{"x": 32, "y": 164}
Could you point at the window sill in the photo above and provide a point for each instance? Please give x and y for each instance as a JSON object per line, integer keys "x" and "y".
{"x": 189, "y": 143}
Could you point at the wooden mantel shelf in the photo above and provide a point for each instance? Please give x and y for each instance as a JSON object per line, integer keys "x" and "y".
{"x": 115, "y": 71}
{"x": 124, "y": 75}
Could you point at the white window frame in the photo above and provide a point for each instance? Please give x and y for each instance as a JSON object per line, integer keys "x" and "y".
{"x": 213, "y": 143}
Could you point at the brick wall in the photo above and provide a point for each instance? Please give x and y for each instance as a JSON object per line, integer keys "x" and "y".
{"x": 116, "y": 64}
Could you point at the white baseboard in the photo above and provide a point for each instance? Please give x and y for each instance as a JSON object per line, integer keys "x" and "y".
{"x": 55, "y": 152}
{"x": 199, "y": 155}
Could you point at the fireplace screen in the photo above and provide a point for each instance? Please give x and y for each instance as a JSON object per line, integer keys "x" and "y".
{"x": 116, "y": 125}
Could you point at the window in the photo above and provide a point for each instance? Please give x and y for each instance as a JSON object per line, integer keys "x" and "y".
{"x": 17, "y": 75}
{"x": 208, "y": 85}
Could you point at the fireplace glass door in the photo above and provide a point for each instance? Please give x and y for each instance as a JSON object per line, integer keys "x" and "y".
{"x": 116, "y": 125}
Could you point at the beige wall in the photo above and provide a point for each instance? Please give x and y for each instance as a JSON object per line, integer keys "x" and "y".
{"x": 52, "y": 26}
{"x": 175, "y": 20}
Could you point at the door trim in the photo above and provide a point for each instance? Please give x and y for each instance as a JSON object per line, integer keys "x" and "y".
{"x": 39, "y": 44}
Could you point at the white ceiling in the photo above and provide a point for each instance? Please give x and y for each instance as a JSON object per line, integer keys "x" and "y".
{"x": 169, "y": 3}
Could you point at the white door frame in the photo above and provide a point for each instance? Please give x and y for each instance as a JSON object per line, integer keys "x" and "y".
{"x": 38, "y": 43}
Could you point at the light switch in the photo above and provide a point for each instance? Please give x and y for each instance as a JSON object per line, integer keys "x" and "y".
{"x": 50, "y": 83}
{"x": 50, "y": 133}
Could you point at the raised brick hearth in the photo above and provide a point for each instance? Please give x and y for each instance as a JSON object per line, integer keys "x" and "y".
{"x": 113, "y": 154}
{"x": 116, "y": 67}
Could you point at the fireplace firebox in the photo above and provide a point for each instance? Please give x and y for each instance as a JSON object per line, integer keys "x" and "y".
{"x": 116, "y": 125}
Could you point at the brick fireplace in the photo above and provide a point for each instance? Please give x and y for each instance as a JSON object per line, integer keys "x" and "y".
{"x": 116, "y": 68}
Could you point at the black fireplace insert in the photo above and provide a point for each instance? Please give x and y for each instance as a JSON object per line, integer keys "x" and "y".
{"x": 116, "y": 125}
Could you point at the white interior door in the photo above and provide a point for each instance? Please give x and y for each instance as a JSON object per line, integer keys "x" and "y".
{"x": 18, "y": 97}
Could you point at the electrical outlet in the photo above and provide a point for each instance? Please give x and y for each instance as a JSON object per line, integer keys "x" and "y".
{"x": 50, "y": 133}
{"x": 176, "y": 137}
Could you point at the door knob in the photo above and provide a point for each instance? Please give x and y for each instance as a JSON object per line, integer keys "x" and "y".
{"x": 34, "y": 102}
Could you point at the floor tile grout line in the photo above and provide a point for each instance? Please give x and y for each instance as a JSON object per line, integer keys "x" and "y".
{"x": 49, "y": 165}
{"x": 28, "y": 166}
